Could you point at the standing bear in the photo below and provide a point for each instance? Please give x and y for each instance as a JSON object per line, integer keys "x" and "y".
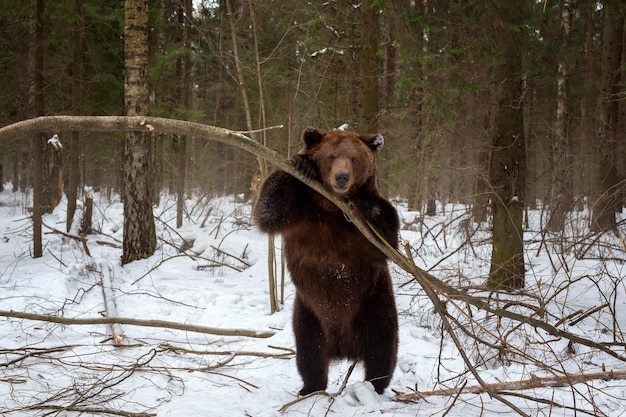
{"x": 344, "y": 305}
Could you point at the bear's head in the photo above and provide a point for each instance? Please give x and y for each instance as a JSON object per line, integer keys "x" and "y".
{"x": 346, "y": 160}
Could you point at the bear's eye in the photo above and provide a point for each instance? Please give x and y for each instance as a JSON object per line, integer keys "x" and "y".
{"x": 331, "y": 158}
{"x": 354, "y": 159}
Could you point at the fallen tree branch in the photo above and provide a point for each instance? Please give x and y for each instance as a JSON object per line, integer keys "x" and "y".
{"x": 289, "y": 353}
{"x": 110, "y": 309}
{"x": 91, "y": 410}
{"x": 530, "y": 383}
{"x": 80, "y": 239}
{"x": 30, "y": 352}
{"x": 137, "y": 322}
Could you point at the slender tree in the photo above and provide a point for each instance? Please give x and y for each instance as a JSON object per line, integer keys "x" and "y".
{"x": 183, "y": 65}
{"x": 139, "y": 229}
{"x": 71, "y": 190}
{"x": 507, "y": 172}
{"x": 608, "y": 201}
{"x": 36, "y": 108}
{"x": 560, "y": 198}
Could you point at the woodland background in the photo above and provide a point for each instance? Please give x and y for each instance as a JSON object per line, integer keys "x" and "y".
{"x": 501, "y": 118}
{"x": 518, "y": 102}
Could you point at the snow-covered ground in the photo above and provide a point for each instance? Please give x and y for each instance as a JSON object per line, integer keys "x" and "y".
{"x": 216, "y": 276}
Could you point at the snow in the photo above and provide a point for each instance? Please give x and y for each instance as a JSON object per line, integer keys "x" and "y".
{"x": 55, "y": 142}
{"x": 378, "y": 142}
{"x": 219, "y": 280}
{"x": 326, "y": 50}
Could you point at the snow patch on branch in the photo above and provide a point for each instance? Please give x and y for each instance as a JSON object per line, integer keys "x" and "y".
{"x": 55, "y": 142}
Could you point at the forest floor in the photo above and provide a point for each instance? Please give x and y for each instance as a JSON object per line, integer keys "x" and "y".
{"x": 164, "y": 358}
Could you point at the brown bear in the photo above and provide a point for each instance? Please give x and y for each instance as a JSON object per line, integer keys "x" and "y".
{"x": 344, "y": 305}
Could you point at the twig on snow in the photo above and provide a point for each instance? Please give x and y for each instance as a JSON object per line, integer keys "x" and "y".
{"x": 332, "y": 396}
{"x": 92, "y": 411}
{"x": 30, "y": 352}
{"x": 288, "y": 352}
{"x": 80, "y": 239}
{"x": 110, "y": 310}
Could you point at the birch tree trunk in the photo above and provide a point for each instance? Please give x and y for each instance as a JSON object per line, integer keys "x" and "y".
{"x": 139, "y": 229}
{"x": 507, "y": 171}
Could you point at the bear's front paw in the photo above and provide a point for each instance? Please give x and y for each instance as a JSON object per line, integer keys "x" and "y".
{"x": 306, "y": 166}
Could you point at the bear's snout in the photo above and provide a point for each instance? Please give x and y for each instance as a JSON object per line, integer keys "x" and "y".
{"x": 342, "y": 179}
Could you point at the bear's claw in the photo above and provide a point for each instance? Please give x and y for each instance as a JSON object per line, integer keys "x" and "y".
{"x": 306, "y": 167}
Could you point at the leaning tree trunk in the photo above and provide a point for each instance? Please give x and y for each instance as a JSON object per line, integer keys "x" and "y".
{"x": 139, "y": 229}
{"x": 507, "y": 171}
{"x": 608, "y": 201}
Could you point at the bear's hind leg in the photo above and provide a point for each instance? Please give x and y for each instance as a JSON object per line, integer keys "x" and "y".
{"x": 381, "y": 341}
{"x": 311, "y": 349}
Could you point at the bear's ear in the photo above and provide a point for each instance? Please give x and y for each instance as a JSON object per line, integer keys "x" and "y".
{"x": 312, "y": 136}
{"x": 375, "y": 141}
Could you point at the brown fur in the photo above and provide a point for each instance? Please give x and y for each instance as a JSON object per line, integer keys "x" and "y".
{"x": 344, "y": 305}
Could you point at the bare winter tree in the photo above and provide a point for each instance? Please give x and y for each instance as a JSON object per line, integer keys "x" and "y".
{"x": 71, "y": 190}
{"x": 608, "y": 201}
{"x": 368, "y": 67}
{"x": 139, "y": 229}
{"x": 560, "y": 198}
{"x": 507, "y": 171}
{"x": 183, "y": 73}
{"x": 261, "y": 136}
{"x": 36, "y": 108}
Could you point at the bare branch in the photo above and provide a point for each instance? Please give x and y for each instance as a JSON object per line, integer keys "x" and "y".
{"x": 533, "y": 382}
{"x": 92, "y": 410}
{"x": 137, "y": 322}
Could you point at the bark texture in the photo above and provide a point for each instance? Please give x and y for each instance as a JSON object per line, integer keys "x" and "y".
{"x": 608, "y": 202}
{"x": 507, "y": 171}
{"x": 139, "y": 229}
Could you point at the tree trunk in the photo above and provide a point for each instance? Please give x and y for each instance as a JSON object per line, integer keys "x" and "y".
{"x": 368, "y": 68}
{"x": 271, "y": 263}
{"x": 560, "y": 196}
{"x": 507, "y": 172}
{"x": 86, "y": 224}
{"x": 139, "y": 229}
{"x": 73, "y": 179}
{"x": 36, "y": 108}
{"x": 184, "y": 16}
{"x": 608, "y": 201}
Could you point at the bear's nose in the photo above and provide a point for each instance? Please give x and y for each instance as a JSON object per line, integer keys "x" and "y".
{"x": 342, "y": 179}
